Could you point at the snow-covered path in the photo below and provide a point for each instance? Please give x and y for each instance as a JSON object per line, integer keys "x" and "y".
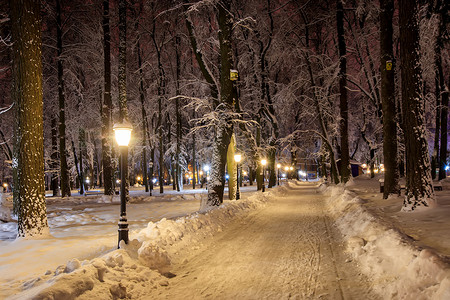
{"x": 286, "y": 250}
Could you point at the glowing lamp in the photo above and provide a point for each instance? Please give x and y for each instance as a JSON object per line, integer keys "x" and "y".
{"x": 263, "y": 162}
{"x": 123, "y": 133}
{"x": 237, "y": 158}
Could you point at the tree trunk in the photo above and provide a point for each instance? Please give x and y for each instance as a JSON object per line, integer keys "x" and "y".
{"x": 27, "y": 94}
{"x": 178, "y": 115}
{"x": 225, "y": 129}
{"x": 144, "y": 118}
{"x": 391, "y": 175}
{"x": 443, "y": 8}
{"x": 54, "y": 158}
{"x": 345, "y": 157}
{"x": 231, "y": 168}
{"x": 419, "y": 189}
{"x": 65, "y": 183}
{"x": 108, "y": 171}
{"x": 122, "y": 82}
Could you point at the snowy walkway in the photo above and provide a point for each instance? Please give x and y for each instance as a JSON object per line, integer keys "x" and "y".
{"x": 286, "y": 250}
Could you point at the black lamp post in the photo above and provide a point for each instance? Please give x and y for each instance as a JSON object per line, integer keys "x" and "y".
{"x": 151, "y": 176}
{"x": 278, "y": 173}
{"x": 263, "y": 167}
{"x": 237, "y": 159}
{"x": 123, "y": 135}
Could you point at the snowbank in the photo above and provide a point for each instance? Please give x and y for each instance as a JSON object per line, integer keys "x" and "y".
{"x": 398, "y": 269}
{"x": 142, "y": 264}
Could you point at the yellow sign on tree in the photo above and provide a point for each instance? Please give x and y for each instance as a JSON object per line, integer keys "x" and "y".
{"x": 389, "y": 65}
{"x": 234, "y": 75}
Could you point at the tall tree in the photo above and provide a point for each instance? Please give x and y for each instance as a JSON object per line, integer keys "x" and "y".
{"x": 64, "y": 169}
{"x": 343, "y": 99}
{"x": 391, "y": 175}
{"x": 442, "y": 91}
{"x": 419, "y": 189}
{"x": 108, "y": 171}
{"x": 28, "y": 95}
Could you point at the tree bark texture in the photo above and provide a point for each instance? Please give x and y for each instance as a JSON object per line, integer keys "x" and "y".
{"x": 391, "y": 175}
{"x": 419, "y": 189}
{"x": 443, "y": 90}
{"x": 65, "y": 180}
{"x": 28, "y": 95}
{"x": 224, "y": 129}
{"x": 343, "y": 99}
{"x": 108, "y": 171}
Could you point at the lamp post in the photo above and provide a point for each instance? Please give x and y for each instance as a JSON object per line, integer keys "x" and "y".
{"x": 278, "y": 173}
{"x": 263, "y": 164}
{"x": 150, "y": 164}
{"x": 123, "y": 135}
{"x": 237, "y": 159}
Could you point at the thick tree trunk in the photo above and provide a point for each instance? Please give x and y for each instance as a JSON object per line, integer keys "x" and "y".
{"x": 27, "y": 94}
{"x": 345, "y": 157}
{"x": 225, "y": 129}
{"x": 65, "y": 181}
{"x": 108, "y": 171}
{"x": 144, "y": 119}
{"x": 391, "y": 175}
{"x": 419, "y": 189}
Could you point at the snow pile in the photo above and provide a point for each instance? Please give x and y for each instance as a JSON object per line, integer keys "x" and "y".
{"x": 398, "y": 269}
{"x": 143, "y": 264}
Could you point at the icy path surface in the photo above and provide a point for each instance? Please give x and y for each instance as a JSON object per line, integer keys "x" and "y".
{"x": 286, "y": 250}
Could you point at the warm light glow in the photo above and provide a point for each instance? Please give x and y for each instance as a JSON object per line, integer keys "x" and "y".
{"x": 123, "y": 133}
{"x": 245, "y": 173}
{"x": 375, "y": 171}
{"x": 201, "y": 173}
{"x": 187, "y": 176}
{"x": 363, "y": 166}
{"x": 227, "y": 176}
{"x": 291, "y": 168}
{"x": 263, "y": 162}
{"x": 286, "y": 168}
{"x": 5, "y": 185}
{"x": 206, "y": 168}
{"x": 118, "y": 181}
{"x": 87, "y": 180}
{"x": 278, "y": 166}
{"x": 138, "y": 178}
{"x": 237, "y": 158}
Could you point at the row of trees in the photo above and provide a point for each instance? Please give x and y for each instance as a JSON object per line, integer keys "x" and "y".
{"x": 165, "y": 66}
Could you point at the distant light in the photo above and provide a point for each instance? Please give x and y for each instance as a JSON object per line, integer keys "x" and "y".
{"x": 291, "y": 168}
{"x": 227, "y": 176}
{"x": 447, "y": 168}
{"x": 138, "y": 178}
{"x": 118, "y": 181}
{"x": 201, "y": 173}
{"x": 283, "y": 175}
{"x": 187, "y": 176}
{"x": 237, "y": 158}
{"x": 363, "y": 166}
{"x": 286, "y": 168}
{"x": 5, "y": 185}
{"x": 154, "y": 180}
{"x": 206, "y": 168}
{"x": 263, "y": 162}
{"x": 375, "y": 171}
{"x": 278, "y": 166}
{"x": 245, "y": 173}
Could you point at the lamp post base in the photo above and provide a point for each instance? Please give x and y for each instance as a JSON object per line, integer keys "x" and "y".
{"x": 123, "y": 231}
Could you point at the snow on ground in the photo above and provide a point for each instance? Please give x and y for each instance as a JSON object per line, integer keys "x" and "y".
{"x": 405, "y": 255}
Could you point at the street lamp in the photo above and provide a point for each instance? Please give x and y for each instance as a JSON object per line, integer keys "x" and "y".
{"x": 237, "y": 159}
{"x": 263, "y": 164}
{"x": 123, "y": 135}
{"x": 278, "y": 173}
